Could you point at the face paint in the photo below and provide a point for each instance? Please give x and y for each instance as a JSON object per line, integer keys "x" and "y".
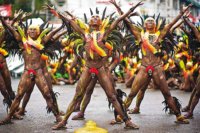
{"x": 95, "y": 21}
{"x": 150, "y": 23}
{"x": 33, "y": 31}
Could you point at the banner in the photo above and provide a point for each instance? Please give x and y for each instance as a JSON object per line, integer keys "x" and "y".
{"x": 5, "y": 10}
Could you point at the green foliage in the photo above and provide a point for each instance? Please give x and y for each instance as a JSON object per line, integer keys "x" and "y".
{"x": 39, "y": 4}
{"x": 1, "y": 2}
{"x": 25, "y": 5}
{"x": 6, "y": 2}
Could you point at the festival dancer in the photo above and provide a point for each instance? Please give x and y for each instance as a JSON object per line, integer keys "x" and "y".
{"x": 47, "y": 75}
{"x": 194, "y": 98}
{"x": 4, "y": 72}
{"x": 96, "y": 57}
{"x": 31, "y": 39}
{"x": 5, "y": 79}
{"x": 151, "y": 68}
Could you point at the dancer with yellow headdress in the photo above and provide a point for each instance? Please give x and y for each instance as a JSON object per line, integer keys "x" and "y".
{"x": 33, "y": 41}
{"x": 150, "y": 39}
{"x": 96, "y": 56}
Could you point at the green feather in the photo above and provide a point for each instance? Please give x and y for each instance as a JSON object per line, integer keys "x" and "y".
{"x": 44, "y": 32}
{"x": 21, "y": 32}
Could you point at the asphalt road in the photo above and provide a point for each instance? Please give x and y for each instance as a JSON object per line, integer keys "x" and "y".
{"x": 151, "y": 119}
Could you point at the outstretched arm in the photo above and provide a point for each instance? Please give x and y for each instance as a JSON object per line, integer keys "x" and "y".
{"x": 11, "y": 29}
{"x": 169, "y": 26}
{"x": 73, "y": 24}
{"x": 194, "y": 29}
{"x": 17, "y": 14}
{"x": 134, "y": 30}
{"x": 114, "y": 24}
{"x": 176, "y": 26}
{"x": 64, "y": 18}
{"x": 51, "y": 34}
{"x": 58, "y": 35}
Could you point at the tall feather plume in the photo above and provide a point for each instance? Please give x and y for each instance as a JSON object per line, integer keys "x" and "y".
{"x": 157, "y": 19}
{"x": 163, "y": 24}
{"x": 111, "y": 15}
{"x": 97, "y": 10}
{"x": 85, "y": 18}
{"x": 31, "y": 21}
{"x": 142, "y": 20}
{"x": 104, "y": 13}
{"x": 26, "y": 26}
{"x": 47, "y": 25}
{"x": 91, "y": 12}
{"x": 42, "y": 26}
{"x": 153, "y": 16}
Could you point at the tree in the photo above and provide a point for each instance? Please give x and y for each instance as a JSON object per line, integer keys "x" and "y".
{"x": 2, "y": 2}
{"x": 33, "y": 6}
{"x": 25, "y": 5}
{"x": 38, "y": 6}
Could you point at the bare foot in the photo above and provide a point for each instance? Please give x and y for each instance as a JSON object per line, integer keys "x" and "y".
{"x": 113, "y": 122}
{"x": 130, "y": 125}
{"x": 21, "y": 112}
{"x": 16, "y": 116}
{"x": 58, "y": 118}
{"x": 134, "y": 111}
{"x": 5, "y": 121}
{"x": 59, "y": 126}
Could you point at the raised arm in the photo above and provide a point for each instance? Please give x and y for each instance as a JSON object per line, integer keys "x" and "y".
{"x": 51, "y": 34}
{"x": 114, "y": 24}
{"x": 169, "y": 26}
{"x": 176, "y": 26}
{"x": 194, "y": 29}
{"x": 133, "y": 28}
{"x": 11, "y": 29}
{"x": 73, "y": 24}
{"x": 64, "y": 18}
{"x": 20, "y": 14}
{"x": 58, "y": 35}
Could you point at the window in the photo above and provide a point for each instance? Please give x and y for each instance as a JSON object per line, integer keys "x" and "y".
{"x": 175, "y": 4}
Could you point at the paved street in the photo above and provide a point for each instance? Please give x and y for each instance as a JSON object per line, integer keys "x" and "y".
{"x": 151, "y": 119}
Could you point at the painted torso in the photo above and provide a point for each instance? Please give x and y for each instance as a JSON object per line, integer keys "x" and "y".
{"x": 97, "y": 61}
{"x": 149, "y": 58}
{"x": 33, "y": 60}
